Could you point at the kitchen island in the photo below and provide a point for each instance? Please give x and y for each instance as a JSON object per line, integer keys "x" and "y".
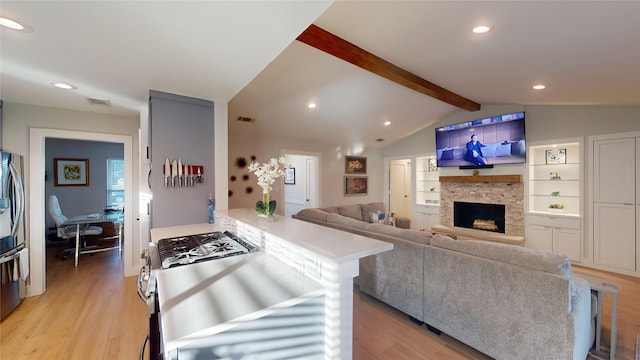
{"x": 301, "y": 267}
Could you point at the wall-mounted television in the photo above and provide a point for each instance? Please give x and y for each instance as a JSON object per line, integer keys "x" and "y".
{"x": 482, "y": 143}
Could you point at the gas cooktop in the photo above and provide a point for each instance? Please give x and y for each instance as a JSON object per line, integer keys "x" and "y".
{"x": 184, "y": 250}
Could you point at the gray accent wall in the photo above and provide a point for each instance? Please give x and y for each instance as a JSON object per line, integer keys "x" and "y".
{"x": 181, "y": 128}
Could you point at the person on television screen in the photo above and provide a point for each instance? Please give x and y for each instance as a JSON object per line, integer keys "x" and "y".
{"x": 474, "y": 151}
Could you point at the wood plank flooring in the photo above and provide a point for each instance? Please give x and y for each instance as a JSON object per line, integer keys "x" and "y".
{"x": 92, "y": 312}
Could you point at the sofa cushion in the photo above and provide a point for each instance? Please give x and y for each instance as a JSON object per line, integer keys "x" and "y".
{"x": 330, "y": 209}
{"x": 421, "y": 237}
{"x": 314, "y": 214}
{"x": 346, "y": 221}
{"x": 368, "y": 209}
{"x": 352, "y": 211}
{"x": 516, "y": 255}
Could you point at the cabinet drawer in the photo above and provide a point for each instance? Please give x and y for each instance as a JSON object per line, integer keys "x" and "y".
{"x": 554, "y": 221}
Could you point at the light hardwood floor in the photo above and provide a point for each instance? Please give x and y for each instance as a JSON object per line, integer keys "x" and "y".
{"x": 92, "y": 312}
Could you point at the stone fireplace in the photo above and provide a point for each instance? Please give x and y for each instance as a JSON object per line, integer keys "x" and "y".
{"x": 505, "y": 190}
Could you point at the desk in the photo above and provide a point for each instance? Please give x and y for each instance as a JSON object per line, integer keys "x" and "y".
{"x": 86, "y": 220}
{"x": 602, "y": 287}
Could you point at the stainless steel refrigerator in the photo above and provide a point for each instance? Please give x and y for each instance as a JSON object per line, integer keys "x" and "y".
{"x": 12, "y": 233}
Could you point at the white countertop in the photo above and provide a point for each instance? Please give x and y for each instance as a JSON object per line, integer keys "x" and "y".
{"x": 207, "y": 298}
{"x": 331, "y": 244}
{"x": 203, "y": 299}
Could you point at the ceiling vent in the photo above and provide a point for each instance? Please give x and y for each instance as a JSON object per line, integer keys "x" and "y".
{"x": 99, "y": 102}
{"x": 246, "y": 119}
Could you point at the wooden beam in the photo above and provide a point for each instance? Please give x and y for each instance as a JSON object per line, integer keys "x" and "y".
{"x": 338, "y": 47}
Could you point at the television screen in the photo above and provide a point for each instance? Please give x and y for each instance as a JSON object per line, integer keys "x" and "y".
{"x": 482, "y": 143}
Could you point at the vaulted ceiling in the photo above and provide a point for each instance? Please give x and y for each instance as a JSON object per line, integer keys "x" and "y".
{"x": 586, "y": 53}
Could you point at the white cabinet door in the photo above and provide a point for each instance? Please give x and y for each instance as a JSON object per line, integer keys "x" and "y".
{"x": 615, "y": 235}
{"x": 540, "y": 238}
{"x": 419, "y": 221}
{"x": 614, "y": 163}
{"x": 433, "y": 220}
{"x": 567, "y": 242}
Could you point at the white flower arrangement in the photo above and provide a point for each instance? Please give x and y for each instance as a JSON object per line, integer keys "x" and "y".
{"x": 267, "y": 173}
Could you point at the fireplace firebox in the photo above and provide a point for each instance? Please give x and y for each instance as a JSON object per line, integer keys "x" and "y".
{"x": 479, "y": 216}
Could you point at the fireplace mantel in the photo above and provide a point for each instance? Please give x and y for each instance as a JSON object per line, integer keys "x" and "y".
{"x": 510, "y": 179}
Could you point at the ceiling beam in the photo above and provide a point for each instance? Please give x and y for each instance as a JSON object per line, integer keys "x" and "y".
{"x": 338, "y": 47}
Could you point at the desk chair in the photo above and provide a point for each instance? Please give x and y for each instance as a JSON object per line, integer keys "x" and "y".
{"x": 68, "y": 232}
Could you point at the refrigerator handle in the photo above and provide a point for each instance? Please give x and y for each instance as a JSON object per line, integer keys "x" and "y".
{"x": 17, "y": 182}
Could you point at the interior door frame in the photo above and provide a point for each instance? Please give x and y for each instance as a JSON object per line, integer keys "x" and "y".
{"x": 386, "y": 181}
{"x": 318, "y": 156}
{"x": 37, "y": 201}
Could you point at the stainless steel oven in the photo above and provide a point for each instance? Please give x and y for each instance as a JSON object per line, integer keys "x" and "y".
{"x": 173, "y": 252}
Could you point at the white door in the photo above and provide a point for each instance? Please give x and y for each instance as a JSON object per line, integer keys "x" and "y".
{"x": 312, "y": 183}
{"x": 614, "y": 235}
{"x": 400, "y": 187}
{"x": 304, "y": 191}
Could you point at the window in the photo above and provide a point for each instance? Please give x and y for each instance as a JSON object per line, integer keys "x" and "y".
{"x": 115, "y": 183}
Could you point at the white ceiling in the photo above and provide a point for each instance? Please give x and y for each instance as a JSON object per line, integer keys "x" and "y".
{"x": 587, "y": 53}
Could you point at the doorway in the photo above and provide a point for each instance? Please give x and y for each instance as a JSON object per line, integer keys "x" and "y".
{"x": 302, "y": 190}
{"x": 37, "y": 202}
{"x": 399, "y": 187}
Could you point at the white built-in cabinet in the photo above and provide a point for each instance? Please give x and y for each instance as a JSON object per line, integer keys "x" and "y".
{"x": 616, "y": 201}
{"x": 426, "y": 208}
{"x": 554, "y": 218}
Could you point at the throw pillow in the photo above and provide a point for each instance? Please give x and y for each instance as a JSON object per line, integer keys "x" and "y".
{"x": 447, "y": 154}
{"x": 490, "y": 151}
{"x": 368, "y": 209}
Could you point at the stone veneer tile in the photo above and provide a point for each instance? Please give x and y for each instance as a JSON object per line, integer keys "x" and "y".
{"x": 510, "y": 195}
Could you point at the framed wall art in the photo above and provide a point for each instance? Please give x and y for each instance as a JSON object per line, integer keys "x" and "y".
{"x": 556, "y": 156}
{"x": 355, "y": 165}
{"x": 290, "y": 176}
{"x": 355, "y": 185}
{"x": 71, "y": 172}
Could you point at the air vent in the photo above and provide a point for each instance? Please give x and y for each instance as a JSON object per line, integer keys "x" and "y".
{"x": 99, "y": 102}
{"x": 246, "y": 119}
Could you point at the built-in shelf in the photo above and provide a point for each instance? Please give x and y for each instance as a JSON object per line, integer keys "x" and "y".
{"x": 483, "y": 179}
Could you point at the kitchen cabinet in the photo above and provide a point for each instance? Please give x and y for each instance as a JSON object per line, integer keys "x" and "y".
{"x": 555, "y": 234}
{"x": 616, "y": 201}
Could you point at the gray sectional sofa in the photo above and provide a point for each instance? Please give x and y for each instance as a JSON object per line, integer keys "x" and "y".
{"x": 506, "y": 301}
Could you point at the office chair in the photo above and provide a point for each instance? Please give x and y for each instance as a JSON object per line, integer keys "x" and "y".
{"x": 68, "y": 232}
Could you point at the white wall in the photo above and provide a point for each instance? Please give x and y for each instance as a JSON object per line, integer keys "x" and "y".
{"x": 331, "y": 169}
{"x": 19, "y": 119}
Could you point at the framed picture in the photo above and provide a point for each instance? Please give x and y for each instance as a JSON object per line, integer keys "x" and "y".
{"x": 433, "y": 165}
{"x": 290, "y": 176}
{"x": 355, "y": 165}
{"x": 71, "y": 172}
{"x": 355, "y": 185}
{"x": 556, "y": 156}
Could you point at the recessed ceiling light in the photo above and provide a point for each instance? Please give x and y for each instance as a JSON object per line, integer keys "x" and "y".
{"x": 539, "y": 87}
{"x": 481, "y": 29}
{"x": 64, "y": 86}
{"x": 387, "y": 123}
{"x": 311, "y": 105}
{"x": 11, "y": 24}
